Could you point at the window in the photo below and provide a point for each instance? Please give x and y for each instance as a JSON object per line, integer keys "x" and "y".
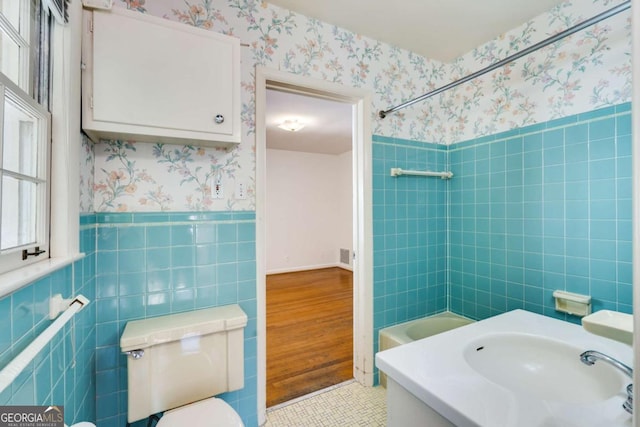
{"x": 24, "y": 133}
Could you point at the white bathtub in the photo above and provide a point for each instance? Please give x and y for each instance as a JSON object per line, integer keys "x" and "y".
{"x": 417, "y": 329}
{"x": 469, "y": 377}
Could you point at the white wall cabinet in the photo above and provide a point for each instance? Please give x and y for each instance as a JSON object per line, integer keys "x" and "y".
{"x": 151, "y": 79}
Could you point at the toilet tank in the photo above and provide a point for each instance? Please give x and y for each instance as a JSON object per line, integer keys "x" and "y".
{"x": 181, "y": 358}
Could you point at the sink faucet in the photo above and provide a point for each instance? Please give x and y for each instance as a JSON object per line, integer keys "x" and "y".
{"x": 589, "y": 357}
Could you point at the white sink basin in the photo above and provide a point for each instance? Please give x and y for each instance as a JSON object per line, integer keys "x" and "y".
{"x": 517, "y": 369}
{"x": 547, "y": 369}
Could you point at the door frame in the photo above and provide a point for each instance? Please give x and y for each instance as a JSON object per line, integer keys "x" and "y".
{"x": 362, "y": 216}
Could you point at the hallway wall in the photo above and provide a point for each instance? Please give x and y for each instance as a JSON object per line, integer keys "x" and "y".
{"x": 308, "y": 210}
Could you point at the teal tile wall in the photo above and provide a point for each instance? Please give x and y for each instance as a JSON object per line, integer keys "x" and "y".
{"x": 409, "y": 232}
{"x": 541, "y": 208}
{"x": 153, "y": 264}
{"x": 532, "y": 210}
{"x": 63, "y": 372}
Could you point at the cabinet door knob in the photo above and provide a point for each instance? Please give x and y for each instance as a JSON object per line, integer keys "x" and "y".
{"x": 219, "y": 118}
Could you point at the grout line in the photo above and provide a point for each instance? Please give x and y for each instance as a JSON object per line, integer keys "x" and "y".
{"x": 171, "y": 223}
{"x": 310, "y": 395}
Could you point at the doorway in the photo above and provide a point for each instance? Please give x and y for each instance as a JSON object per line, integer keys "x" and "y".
{"x": 309, "y": 242}
{"x": 360, "y": 102}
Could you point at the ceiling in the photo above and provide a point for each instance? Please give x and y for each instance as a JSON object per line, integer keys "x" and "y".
{"x": 437, "y": 29}
{"x": 327, "y": 123}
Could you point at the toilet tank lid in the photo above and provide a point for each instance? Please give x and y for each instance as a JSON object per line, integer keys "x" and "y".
{"x": 139, "y": 334}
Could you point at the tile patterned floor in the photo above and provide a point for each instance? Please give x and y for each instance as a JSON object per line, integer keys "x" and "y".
{"x": 347, "y": 404}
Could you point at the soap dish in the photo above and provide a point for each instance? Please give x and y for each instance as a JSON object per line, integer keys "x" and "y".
{"x": 574, "y": 304}
{"x": 610, "y": 324}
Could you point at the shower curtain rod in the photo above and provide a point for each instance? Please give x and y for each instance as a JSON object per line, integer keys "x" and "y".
{"x": 569, "y": 31}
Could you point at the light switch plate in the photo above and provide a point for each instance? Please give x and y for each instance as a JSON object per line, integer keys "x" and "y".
{"x": 241, "y": 191}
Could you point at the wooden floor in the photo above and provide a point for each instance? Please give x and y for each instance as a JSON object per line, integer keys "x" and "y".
{"x": 309, "y": 332}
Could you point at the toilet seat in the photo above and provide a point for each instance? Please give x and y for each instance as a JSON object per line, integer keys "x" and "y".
{"x": 205, "y": 413}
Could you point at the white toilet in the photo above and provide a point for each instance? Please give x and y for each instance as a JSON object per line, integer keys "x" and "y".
{"x": 177, "y": 363}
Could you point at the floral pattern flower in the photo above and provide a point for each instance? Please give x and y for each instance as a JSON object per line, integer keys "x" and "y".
{"x": 135, "y": 5}
{"x": 87, "y": 172}
{"x": 361, "y": 51}
{"x": 121, "y": 182}
{"x": 202, "y": 15}
{"x": 589, "y": 70}
{"x": 268, "y": 25}
{"x": 311, "y": 52}
{"x": 187, "y": 162}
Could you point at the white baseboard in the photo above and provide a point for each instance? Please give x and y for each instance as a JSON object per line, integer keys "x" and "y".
{"x": 308, "y": 267}
{"x": 344, "y": 266}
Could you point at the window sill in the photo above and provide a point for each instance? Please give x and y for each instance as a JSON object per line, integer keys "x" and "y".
{"x": 13, "y": 280}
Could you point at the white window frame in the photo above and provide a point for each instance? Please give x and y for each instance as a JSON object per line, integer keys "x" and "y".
{"x": 20, "y": 94}
{"x": 19, "y": 37}
{"x": 17, "y": 257}
{"x": 65, "y": 156}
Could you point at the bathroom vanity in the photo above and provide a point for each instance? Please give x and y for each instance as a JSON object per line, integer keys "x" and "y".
{"x": 516, "y": 369}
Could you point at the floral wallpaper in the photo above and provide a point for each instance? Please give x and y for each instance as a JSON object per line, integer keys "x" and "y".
{"x": 586, "y": 71}
{"x": 127, "y": 182}
{"x": 590, "y": 70}
{"x": 87, "y": 172}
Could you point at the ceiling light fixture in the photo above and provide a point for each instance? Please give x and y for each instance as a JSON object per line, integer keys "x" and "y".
{"x": 291, "y": 125}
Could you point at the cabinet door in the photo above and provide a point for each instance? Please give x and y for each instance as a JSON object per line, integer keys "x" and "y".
{"x": 160, "y": 75}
